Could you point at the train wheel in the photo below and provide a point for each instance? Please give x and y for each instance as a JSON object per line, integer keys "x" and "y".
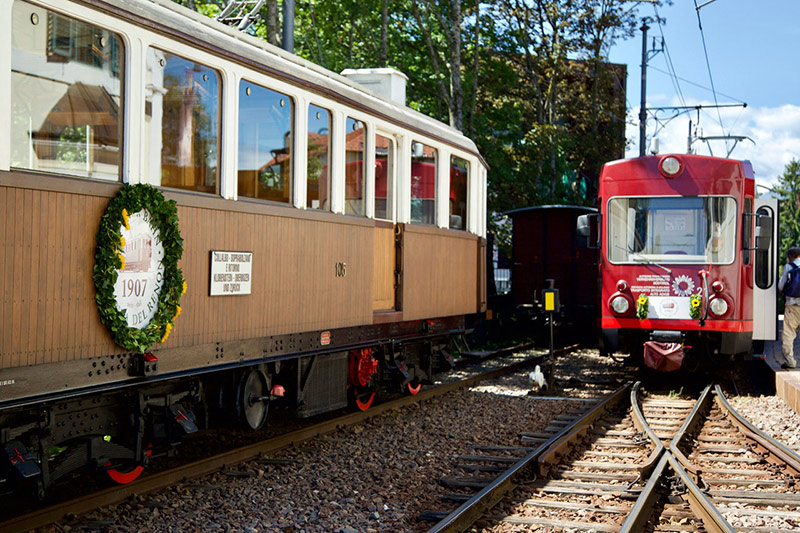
{"x": 126, "y": 474}
{"x": 252, "y": 399}
{"x": 413, "y": 389}
{"x": 364, "y": 402}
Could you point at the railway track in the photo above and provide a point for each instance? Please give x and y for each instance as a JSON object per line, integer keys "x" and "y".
{"x": 154, "y": 481}
{"x": 636, "y": 462}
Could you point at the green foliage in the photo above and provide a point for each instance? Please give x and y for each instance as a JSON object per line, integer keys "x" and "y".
{"x": 535, "y": 90}
{"x": 788, "y": 191}
{"x": 164, "y": 215}
{"x": 72, "y": 144}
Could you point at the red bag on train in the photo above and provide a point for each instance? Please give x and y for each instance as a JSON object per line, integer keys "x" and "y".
{"x": 663, "y": 356}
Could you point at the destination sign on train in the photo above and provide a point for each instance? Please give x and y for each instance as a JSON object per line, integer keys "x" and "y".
{"x": 231, "y": 273}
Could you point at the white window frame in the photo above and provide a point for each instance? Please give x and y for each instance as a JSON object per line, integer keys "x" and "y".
{"x": 391, "y": 176}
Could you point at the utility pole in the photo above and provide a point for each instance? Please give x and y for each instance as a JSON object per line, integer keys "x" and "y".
{"x": 643, "y": 107}
{"x": 288, "y": 25}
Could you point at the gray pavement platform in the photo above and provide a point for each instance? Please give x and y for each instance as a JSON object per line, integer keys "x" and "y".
{"x": 787, "y": 381}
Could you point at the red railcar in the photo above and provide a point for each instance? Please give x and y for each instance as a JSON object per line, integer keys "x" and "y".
{"x": 545, "y": 246}
{"x": 687, "y": 257}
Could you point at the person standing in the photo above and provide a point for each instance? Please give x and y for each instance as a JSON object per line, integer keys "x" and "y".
{"x": 790, "y": 285}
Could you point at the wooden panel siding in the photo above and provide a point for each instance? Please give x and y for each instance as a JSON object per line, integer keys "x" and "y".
{"x": 48, "y": 310}
{"x": 383, "y": 270}
{"x": 294, "y": 285}
{"x": 439, "y": 273}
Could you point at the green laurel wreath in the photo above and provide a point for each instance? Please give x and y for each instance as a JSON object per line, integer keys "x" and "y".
{"x": 109, "y": 259}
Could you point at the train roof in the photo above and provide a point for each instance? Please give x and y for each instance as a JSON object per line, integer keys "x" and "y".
{"x": 747, "y": 166}
{"x": 169, "y": 18}
{"x": 522, "y": 210}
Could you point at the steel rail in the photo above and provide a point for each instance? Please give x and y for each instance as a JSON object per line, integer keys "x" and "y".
{"x": 703, "y": 508}
{"x": 642, "y": 510}
{"x": 640, "y": 422}
{"x": 477, "y": 506}
{"x": 700, "y": 504}
{"x": 782, "y": 452}
{"x": 160, "y": 480}
{"x": 689, "y": 424}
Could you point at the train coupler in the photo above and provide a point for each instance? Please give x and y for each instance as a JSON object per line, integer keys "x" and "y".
{"x": 22, "y": 460}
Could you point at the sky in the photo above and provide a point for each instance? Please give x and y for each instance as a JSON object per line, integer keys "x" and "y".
{"x": 752, "y": 48}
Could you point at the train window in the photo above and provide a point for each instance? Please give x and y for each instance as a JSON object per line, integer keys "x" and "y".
{"x": 66, "y": 95}
{"x": 318, "y": 189}
{"x": 423, "y": 183}
{"x": 182, "y": 127}
{"x": 265, "y": 143}
{"x": 764, "y": 267}
{"x": 459, "y": 176}
{"x": 355, "y": 131}
{"x": 672, "y": 230}
{"x": 384, "y": 170}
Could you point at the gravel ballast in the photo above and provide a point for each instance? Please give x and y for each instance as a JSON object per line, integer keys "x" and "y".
{"x": 376, "y": 476}
{"x": 381, "y": 475}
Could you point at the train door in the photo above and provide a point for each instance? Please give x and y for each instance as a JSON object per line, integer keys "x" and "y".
{"x": 387, "y": 233}
{"x": 765, "y": 293}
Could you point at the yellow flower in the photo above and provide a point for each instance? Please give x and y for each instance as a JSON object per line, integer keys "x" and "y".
{"x": 642, "y": 300}
{"x": 122, "y": 242}
{"x": 125, "y": 219}
{"x": 177, "y": 310}
{"x": 121, "y": 260}
{"x": 166, "y": 334}
{"x": 183, "y": 290}
{"x": 695, "y": 302}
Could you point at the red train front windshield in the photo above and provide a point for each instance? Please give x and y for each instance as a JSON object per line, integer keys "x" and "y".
{"x": 672, "y": 230}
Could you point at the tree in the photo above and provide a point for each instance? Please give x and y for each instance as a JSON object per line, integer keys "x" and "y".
{"x": 788, "y": 190}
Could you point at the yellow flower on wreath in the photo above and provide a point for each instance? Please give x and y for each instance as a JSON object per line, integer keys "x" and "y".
{"x": 121, "y": 260}
{"x": 642, "y": 306}
{"x": 695, "y": 301}
{"x": 166, "y": 333}
{"x": 183, "y": 289}
{"x": 177, "y": 311}
{"x": 125, "y": 220}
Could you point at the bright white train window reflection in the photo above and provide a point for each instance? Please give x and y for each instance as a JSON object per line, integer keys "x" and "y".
{"x": 66, "y": 95}
{"x": 672, "y": 230}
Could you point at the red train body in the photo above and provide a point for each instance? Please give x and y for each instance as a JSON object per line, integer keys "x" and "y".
{"x": 686, "y": 256}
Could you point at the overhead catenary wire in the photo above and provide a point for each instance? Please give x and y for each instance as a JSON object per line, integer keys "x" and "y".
{"x": 673, "y": 74}
{"x": 690, "y": 82}
{"x": 708, "y": 64}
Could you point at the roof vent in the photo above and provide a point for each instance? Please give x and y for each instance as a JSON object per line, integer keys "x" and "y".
{"x": 386, "y": 82}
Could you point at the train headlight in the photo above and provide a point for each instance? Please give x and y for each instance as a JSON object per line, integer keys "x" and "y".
{"x": 718, "y": 306}
{"x": 620, "y": 305}
{"x": 670, "y": 166}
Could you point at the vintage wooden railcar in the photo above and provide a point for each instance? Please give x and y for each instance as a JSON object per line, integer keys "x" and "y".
{"x": 688, "y": 259}
{"x": 316, "y": 262}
